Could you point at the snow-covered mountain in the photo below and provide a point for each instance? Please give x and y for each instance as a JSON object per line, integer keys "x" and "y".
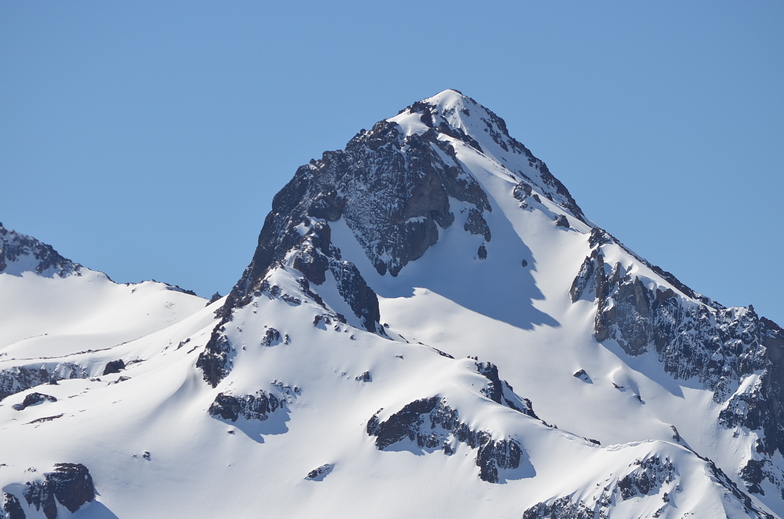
{"x": 430, "y": 327}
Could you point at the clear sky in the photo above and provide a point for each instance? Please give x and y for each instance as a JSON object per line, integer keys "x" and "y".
{"x": 146, "y": 139}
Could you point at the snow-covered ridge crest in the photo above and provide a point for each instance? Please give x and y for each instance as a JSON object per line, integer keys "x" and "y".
{"x": 21, "y": 253}
{"x": 396, "y": 186}
{"x": 450, "y": 113}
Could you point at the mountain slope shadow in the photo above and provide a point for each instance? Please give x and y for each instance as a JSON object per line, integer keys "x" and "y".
{"x": 256, "y": 430}
{"x": 498, "y": 287}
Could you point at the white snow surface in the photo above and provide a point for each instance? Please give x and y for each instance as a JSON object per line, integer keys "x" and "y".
{"x": 519, "y": 318}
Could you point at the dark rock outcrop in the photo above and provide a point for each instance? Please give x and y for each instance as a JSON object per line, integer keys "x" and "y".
{"x": 34, "y": 399}
{"x": 364, "y": 377}
{"x": 12, "y": 507}
{"x": 500, "y": 392}
{"x": 271, "y": 337}
{"x": 20, "y": 378}
{"x": 432, "y": 424}
{"x": 753, "y": 474}
{"x": 215, "y": 360}
{"x": 315, "y": 258}
{"x": 583, "y": 375}
{"x": 70, "y": 483}
{"x": 114, "y": 366}
{"x": 648, "y": 477}
{"x": 356, "y": 292}
{"x": 320, "y": 473}
{"x": 15, "y": 247}
{"x": 476, "y": 224}
{"x": 250, "y": 407}
{"x": 561, "y": 508}
{"x": 651, "y": 478}
{"x": 692, "y": 336}
{"x": 522, "y": 191}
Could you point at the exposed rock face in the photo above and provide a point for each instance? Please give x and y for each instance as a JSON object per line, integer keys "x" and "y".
{"x": 476, "y": 224}
{"x": 70, "y": 483}
{"x": 432, "y": 424}
{"x": 754, "y": 473}
{"x": 731, "y": 351}
{"x": 692, "y": 336}
{"x": 12, "y": 507}
{"x": 651, "y": 478}
{"x": 648, "y": 477}
{"x": 114, "y": 367}
{"x": 33, "y": 399}
{"x": 40, "y": 494}
{"x": 586, "y": 275}
{"x": 364, "y": 377}
{"x": 38, "y": 257}
{"x": 320, "y": 473}
{"x": 20, "y": 378}
{"x": 583, "y": 375}
{"x": 271, "y": 337}
{"x": 215, "y": 360}
{"x": 359, "y": 296}
{"x": 500, "y": 392}
{"x": 561, "y": 508}
{"x": 392, "y": 189}
{"x": 250, "y": 407}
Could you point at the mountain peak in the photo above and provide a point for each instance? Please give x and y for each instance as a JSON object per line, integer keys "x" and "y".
{"x": 452, "y": 116}
{"x": 352, "y": 343}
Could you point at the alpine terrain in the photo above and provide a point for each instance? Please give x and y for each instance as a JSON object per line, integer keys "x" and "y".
{"x": 429, "y": 327}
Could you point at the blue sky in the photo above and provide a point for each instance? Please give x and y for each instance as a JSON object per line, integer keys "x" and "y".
{"x": 147, "y": 139}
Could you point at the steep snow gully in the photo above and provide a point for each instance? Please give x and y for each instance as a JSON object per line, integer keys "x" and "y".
{"x": 430, "y": 327}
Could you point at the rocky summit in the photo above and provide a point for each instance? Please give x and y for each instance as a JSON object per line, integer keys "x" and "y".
{"x": 430, "y": 326}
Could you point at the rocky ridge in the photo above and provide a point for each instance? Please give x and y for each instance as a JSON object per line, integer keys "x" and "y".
{"x": 733, "y": 352}
{"x": 19, "y": 252}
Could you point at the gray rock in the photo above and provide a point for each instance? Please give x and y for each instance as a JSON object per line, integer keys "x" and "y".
{"x": 582, "y": 375}
{"x": 215, "y": 360}
{"x": 14, "y": 246}
{"x": 70, "y": 483}
{"x": 114, "y": 367}
{"x": 476, "y": 224}
{"x": 431, "y": 423}
{"x": 250, "y": 407}
{"x": 20, "y": 378}
{"x": 12, "y": 507}
{"x": 34, "y": 399}
{"x": 320, "y": 473}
